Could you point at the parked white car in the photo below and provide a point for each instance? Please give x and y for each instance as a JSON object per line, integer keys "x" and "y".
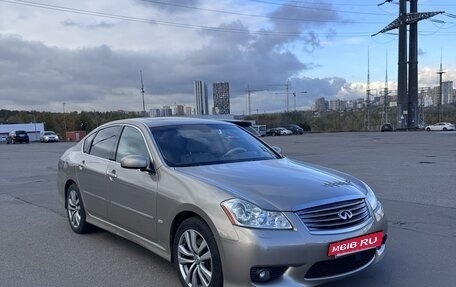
{"x": 441, "y": 126}
{"x": 49, "y": 136}
{"x": 285, "y": 132}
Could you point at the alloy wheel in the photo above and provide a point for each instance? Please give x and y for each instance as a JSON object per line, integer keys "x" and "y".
{"x": 194, "y": 259}
{"x": 74, "y": 208}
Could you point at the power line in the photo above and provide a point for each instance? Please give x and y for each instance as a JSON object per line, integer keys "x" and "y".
{"x": 318, "y": 8}
{"x": 171, "y": 24}
{"x": 251, "y": 15}
{"x": 179, "y": 25}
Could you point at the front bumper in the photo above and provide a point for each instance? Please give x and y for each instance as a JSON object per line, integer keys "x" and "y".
{"x": 295, "y": 257}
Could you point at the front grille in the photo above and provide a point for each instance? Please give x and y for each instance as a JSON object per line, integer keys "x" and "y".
{"x": 340, "y": 265}
{"x": 326, "y": 217}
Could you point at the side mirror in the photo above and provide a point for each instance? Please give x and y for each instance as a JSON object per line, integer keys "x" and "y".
{"x": 277, "y": 149}
{"x": 136, "y": 162}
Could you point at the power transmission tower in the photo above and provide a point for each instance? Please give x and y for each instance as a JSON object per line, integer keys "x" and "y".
{"x": 407, "y": 84}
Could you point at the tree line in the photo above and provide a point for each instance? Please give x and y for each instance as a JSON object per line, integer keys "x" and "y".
{"x": 310, "y": 121}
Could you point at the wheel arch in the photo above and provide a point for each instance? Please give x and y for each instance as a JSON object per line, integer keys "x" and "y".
{"x": 184, "y": 215}
{"x": 178, "y": 219}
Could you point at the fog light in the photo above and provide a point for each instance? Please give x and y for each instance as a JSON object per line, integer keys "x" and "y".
{"x": 264, "y": 275}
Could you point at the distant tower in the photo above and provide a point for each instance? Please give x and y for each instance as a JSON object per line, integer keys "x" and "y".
{"x": 385, "y": 94}
{"x": 439, "y": 102}
{"x": 221, "y": 93}
{"x": 142, "y": 92}
{"x": 368, "y": 92}
{"x": 202, "y": 103}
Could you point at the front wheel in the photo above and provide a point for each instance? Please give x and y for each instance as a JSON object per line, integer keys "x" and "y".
{"x": 196, "y": 255}
{"x": 428, "y": 129}
{"x": 75, "y": 211}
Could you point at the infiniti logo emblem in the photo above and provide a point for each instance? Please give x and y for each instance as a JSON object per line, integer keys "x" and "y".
{"x": 345, "y": 214}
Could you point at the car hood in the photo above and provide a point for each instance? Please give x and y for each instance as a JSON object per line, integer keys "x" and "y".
{"x": 280, "y": 184}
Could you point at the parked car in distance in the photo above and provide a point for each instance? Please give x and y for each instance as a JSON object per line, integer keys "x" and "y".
{"x": 278, "y": 132}
{"x": 247, "y": 125}
{"x": 2, "y": 139}
{"x": 204, "y": 193}
{"x": 297, "y": 130}
{"x": 441, "y": 126}
{"x": 386, "y": 127}
{"x": 49, "y": 136}
{"x": 17, "y": 137}
{"x": 261, "y": 129}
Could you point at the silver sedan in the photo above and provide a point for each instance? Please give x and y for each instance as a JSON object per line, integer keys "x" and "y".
{"x": 223, "y": 206}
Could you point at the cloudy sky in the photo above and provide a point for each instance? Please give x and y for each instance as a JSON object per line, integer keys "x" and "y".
{"x": 88, "y": 54}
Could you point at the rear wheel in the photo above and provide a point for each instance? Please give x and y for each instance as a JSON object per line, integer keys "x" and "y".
{"x": 428, "y": 129}
{"x": 444, "y": 129}
{"x": 75, "y": 211}
{"x": 196, "y": 255}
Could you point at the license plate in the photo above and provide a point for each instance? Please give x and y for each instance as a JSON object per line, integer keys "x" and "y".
{"x": 355, "y": 244}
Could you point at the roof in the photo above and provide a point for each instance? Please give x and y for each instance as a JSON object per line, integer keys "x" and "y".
{"x": 169, "y": 121}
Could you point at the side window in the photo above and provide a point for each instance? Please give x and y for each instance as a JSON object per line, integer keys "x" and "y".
{"x": 104, "y": 142}
{"x": 131, "y": 143}
{"x": 88, "y": 143}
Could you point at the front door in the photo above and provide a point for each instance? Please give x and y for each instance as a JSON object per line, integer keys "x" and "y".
{"x": 132, "y": 192}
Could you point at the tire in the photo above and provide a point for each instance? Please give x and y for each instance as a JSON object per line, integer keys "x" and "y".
{"x": 196, "y": 267}
{"x": 75, "y": 211}
{"x": 444, "y": 129}
{"x": 428, "y": 129}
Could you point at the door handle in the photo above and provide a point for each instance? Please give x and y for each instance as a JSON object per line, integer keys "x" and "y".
{"x": 112, "y": 174}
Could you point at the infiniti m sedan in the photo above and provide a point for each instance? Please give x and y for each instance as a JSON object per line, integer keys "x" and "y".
{"x": 220, "y": 204}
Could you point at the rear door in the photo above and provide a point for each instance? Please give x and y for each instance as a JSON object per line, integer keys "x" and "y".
{"x": 92, "y": 167}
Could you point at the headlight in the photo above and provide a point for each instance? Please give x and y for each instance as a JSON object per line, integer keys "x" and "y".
{"x": 371, "y": 198}
{"x": 246, "y": 214}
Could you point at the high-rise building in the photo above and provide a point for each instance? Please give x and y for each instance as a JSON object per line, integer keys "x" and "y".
{"x": 154, "y": 113}
{"x": 188, "y": 111}
{"x": 221, "y": 93}
{"x": 179, "y": 110}
{"x": 321, "y": 105}
{"x": 166, "y": 111}
{"x": 202, "y": 103}
{"x": 447, "y": 92}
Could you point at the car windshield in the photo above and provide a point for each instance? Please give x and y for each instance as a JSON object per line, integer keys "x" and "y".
{"x": 49, "y": 133}
{"x": 205, "y": 144}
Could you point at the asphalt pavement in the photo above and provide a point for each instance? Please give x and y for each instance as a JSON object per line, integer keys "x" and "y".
{"x": 413, "y": 174}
